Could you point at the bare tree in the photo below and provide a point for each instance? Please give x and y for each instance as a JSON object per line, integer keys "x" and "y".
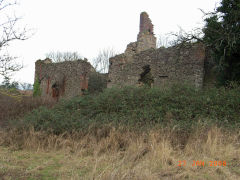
{"x": 163, "y": 41}
{"x": 25, "y": 86}
{"x": 101, "y": 62}
{"x": 186, "y": 37}
{"x": 63, "y": 56}
{"x": 180, "y": 37}
{"x": 9, "y": 32}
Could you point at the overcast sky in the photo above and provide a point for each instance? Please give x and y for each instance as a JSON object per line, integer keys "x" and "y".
{"x": 87, "y": 26}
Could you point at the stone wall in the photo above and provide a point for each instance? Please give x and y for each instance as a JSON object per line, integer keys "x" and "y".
{"x": 183, "y": 63}
{"x": 64, "y": 79}
{"x": 141, "y": 64}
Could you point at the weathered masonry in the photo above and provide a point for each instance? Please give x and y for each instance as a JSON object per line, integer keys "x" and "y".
{"x": 141, "y": 63}
{"x": 141, "y": 60}
{"x": 64, "y": 79}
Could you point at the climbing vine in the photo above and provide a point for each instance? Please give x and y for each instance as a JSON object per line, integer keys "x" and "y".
{"x": 36, "y": 88}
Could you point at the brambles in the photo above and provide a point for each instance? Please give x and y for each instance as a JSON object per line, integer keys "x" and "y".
{"x": 15, "y": 105}
{"x": 147, "y": 129}
{"x": 141, "y": 108}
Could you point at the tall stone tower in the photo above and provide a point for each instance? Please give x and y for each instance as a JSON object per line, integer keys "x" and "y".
{"x": 146, "y": 38}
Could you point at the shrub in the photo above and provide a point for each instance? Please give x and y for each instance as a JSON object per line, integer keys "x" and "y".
{"x": 97, "y": 82}
{"x": 36, "y": 88}
{"x": 181, "y": 107}
{"x": 15, "y": 106}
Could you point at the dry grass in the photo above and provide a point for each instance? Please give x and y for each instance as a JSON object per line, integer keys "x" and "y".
{"x": 119, "y": 154}
{"x": 15, "y": 104}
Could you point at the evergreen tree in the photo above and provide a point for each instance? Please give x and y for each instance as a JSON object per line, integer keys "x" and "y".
{"x": 222, "y": 35}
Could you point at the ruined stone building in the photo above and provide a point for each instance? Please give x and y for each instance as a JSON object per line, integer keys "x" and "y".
{"x": 65, "y": 79}
{"x": 141, "y": 63}
{"x": 183, "y": 63}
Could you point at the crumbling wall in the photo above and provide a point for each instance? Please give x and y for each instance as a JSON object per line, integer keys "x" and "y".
{"x": 64, "y": 79}
{"x": 146, "y": 26}
{"x": 143, "y": 63}
{"x": 145, "y": 38}
{"x": 183, "y": 63}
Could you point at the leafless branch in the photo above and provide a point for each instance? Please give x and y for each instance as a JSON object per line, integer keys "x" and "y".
{"x": 8, "y": 65}
{"x": 187, "y": 37}
{"x": 4, "y": 5}
{"x": 63, "y": 56}
{"x": 101, "y": 62}
{"x": 9, "y": 32}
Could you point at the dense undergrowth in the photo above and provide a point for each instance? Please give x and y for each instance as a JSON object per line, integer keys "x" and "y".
{"x": 129, "y": 133}
{"x": 14, "y": 104}
{"x": 180, "y": 107}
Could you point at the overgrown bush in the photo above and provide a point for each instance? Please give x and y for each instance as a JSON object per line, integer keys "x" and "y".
{"x": 222, "y": 37}
{"x": 97, "y": 82}
{"x": 36, "y": 88}
{"x": 14, "y": 105}
{"x": 180, "y": 107}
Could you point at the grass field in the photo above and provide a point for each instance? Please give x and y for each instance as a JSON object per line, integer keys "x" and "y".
{"x": 123, "y": 134}
{"x": 156, "y": 155}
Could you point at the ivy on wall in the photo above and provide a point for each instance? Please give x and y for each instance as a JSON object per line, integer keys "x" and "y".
{"x": 36, "y": 88}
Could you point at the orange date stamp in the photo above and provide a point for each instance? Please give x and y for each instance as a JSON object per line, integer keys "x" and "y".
{"x": 203, "y": 163}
